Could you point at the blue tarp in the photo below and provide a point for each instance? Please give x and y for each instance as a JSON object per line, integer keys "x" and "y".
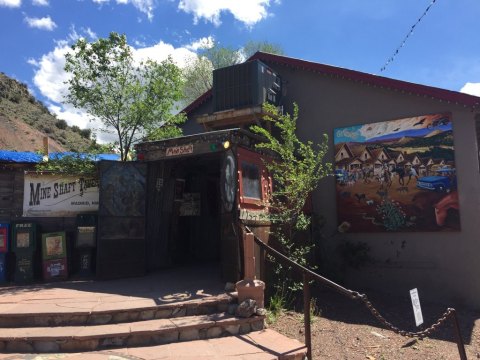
{"x": 19, "y": 157}
{"x": 33, "y": 158}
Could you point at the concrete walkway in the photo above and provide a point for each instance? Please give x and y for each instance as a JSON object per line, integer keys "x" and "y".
{"x": 180, "y": 285}
{"x": 163, "y": 287}
{"x": 260, "y": 345}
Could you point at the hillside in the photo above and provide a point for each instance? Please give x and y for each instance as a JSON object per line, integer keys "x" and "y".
{"x": 24, "y": 121}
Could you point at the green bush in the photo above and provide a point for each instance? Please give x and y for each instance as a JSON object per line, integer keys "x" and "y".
{"x": 86, "y": 133}
{"x": 61, "y": 124}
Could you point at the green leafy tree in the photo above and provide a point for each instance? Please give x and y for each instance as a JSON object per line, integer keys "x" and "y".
{"x": 251, "y": 47}
{"x": 296, "y": 169}
{"x": 221, "y": 56}
{"x": 198, "y": 78}
{"x": 130, "y": 99}
{"x": 71, "y": 164}
{"x": 198, "y": 72}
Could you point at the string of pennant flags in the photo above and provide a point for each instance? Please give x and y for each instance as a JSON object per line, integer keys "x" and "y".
{"x": 391, "y": 59}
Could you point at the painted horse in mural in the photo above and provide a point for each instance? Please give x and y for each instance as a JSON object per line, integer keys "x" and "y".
{"x": 401, "y": 173}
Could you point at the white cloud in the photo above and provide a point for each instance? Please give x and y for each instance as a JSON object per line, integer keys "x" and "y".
{"x": 247, "y": 11}
{"x": 40, "y": 2}
{"x": 471, "y": 88}
{"x": 91, "y": 34}
{"x": 50, "y": 77}
{"x": 45, "y": 23}
{"x": 161, "y": 51}
{"x": 202, "y": 43}
{"x": 144, "y": 6}
{"x": 11, "y": 3}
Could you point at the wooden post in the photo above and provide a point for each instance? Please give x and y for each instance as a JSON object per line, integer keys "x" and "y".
{"x": 306, "y": 315}
{"x": 249, "y": 287}
{"x": 248, "y": 256}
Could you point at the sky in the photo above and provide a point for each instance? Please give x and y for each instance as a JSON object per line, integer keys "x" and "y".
{"x": 442, "y": 51}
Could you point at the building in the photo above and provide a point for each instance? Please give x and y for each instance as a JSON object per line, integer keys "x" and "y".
{"x": 432, "y": 244}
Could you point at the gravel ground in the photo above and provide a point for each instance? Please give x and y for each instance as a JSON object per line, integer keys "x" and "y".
{"x": 345, "y": 329}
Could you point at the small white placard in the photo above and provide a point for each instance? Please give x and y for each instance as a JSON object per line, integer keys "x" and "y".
{"x": 179, "y": 150}
{"x": 417, "y": 310}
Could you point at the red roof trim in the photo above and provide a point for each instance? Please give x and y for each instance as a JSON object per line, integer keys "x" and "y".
{"x": 197, "y": 102}
{"x": 434, "y": 92}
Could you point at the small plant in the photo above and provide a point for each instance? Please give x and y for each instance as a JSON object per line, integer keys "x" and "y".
{"x": 276, "y": 306}
{"x": 314, "y": 311}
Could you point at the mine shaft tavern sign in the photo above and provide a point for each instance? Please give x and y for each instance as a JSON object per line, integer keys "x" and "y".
{"x": 179, "y": 150}
{"x": 59, "y": 195}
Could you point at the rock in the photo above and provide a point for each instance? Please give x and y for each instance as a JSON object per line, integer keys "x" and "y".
{"x": 261, "y": 312}
{"x": 246, "y": 308}
{"x": 229, "y": 287}
{"x": 214, "y": 332}
{"x": 232, "y": 329}
{"x": 179, "y": 312}
{"x": 232, "y": 309}
{"x": 189, "y": 335}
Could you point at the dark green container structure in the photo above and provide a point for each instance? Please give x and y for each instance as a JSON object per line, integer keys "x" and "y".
{"x": 24, "y": 245}
{"x": 54, "y": 256}
{"x": 85, "y": 244}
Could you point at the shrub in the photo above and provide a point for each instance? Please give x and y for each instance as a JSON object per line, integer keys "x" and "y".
{"x": 61, "y": 124}
{"x": 86, "y": 133}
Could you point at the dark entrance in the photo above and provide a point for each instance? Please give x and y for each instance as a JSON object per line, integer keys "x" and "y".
{"x": 184, "y": 211}
{"x": 199, "y": 188}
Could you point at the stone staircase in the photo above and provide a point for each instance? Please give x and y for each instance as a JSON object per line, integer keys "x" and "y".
{"x": 30, "y": 331}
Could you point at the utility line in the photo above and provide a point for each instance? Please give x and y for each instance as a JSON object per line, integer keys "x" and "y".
{"x": 406, "y": 37}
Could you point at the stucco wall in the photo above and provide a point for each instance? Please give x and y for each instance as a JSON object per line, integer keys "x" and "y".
{"x": 443, "y": 266}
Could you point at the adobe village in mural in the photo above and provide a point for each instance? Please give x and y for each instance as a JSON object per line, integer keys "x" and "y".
{"x": 397, "y": 175}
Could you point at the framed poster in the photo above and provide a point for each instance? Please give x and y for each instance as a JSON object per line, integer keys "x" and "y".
{"x": 23, "y": 240}
{"x": 54, "y": 245}
{"x": 397, "y": 175}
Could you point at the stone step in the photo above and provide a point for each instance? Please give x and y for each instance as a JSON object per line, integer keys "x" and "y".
{"x": 138, "y": 333}
{"x": 50, "y": 314}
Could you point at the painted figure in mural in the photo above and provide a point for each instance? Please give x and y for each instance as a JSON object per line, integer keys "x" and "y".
{"x": 400, "y": 171}
{"x": 385, "y": 178}
{"x": 367, "y": 175}
{"x": 412, "y": 172}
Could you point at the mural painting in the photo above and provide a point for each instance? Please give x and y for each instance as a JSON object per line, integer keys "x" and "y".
{"x": 397, "y": 175}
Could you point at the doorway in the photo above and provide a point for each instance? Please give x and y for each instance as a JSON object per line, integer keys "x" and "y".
{"x": 184, "y": 212}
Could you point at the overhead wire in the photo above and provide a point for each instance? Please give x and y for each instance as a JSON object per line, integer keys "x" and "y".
{"x": 402, "y": 44}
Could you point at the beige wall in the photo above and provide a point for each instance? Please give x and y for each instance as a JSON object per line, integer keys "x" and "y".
{"x": 443, "y": 266}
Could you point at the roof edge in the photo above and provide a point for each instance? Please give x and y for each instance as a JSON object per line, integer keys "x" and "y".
{"x": 354, "y": 75}
{"x": 377, "y": 80}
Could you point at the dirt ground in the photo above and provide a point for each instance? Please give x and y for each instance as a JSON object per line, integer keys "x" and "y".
{"x": 345, "y": 329}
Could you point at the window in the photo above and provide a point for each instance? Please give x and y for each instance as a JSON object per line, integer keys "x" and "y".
{"x": 254, "y": 180}
{"x": 251, "y": 180}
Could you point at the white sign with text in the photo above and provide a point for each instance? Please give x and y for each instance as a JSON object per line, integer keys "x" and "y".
{"x": 417, "y": 310}
{"x": 59, "y": 195}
